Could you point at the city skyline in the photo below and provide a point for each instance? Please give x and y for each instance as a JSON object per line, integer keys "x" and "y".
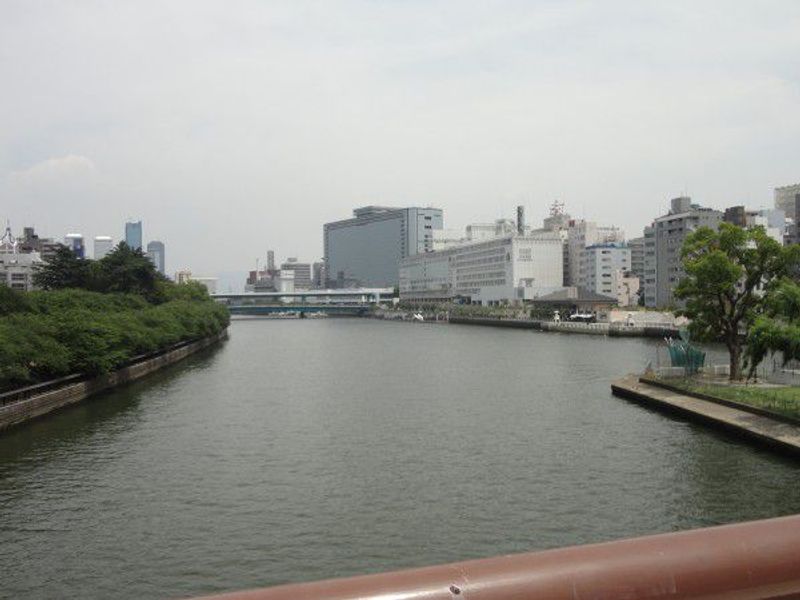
{"x": 204, "y": 136}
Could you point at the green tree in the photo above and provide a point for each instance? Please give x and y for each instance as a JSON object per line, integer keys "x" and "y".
{"x": 128, "y": 271}
{"x": 777, "y": 330}
{"x": 729, "y": 273}
{"x": 63, "y": 270}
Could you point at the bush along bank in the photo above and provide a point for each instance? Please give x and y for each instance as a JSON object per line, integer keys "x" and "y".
{"x": 51, "y": 333}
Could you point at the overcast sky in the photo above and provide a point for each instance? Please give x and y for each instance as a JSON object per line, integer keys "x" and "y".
{"x": 233, "y": 127}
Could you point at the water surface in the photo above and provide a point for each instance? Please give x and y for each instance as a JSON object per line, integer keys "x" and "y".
{"x": 307, "y": 449}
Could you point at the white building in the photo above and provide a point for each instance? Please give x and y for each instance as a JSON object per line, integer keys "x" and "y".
{"x": 102, "y": 246}
{"x": 500, "y": 270}
{"x": 581, "y": 235}
{"x": 302, "y": 273}
{"x": 17, "y": 268}
{"x": 603, "y": 269}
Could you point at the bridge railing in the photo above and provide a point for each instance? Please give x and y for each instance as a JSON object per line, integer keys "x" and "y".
{"x": 747, "y": 561}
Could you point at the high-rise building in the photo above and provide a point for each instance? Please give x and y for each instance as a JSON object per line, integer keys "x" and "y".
{"x": 366, "y": 251}
{"x": 102, "y": 246}
{"x": 637, "y": 257}
{"x": 668, "y": 234}
{"x": 787, "y": 198}
{"x": 74, "y": 241}
{"x": 155, "y": 252}
{"x": 302, "y": 273}
{"x": 318, "y": 275}
{"x": 604, "y": 268}
{"x": 133, "y": 234}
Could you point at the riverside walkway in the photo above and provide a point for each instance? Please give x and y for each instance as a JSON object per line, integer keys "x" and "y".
{"x": 780, "y": 435}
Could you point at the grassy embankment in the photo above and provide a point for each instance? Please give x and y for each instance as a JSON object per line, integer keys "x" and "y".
{"x": 49, "y": 334}
{"x": 784, "y": 400}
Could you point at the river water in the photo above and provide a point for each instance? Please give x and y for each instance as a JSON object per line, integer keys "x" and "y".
{"x": 308, "y": 449}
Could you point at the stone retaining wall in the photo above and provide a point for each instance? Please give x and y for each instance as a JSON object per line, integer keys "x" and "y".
{"x": 36, "y": 406}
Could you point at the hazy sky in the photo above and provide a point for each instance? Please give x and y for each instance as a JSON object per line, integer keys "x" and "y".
{"x": 233, "y": 127}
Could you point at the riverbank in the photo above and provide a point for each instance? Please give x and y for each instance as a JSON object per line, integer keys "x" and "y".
{"x": 20, "y": 407}
{"x": 609, "y": 329}
{"x": 748, "y": 422}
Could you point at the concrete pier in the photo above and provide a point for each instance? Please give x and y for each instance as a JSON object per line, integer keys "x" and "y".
{"x": 758, "y": 428}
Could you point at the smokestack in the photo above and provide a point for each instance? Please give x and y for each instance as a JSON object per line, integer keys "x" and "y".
{"x": 521, "y": 220}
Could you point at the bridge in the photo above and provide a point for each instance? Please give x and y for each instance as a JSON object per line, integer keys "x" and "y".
{"x": 344, "y": 302}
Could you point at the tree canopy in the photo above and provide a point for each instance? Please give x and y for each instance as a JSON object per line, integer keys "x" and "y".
{"x": 123, "y": 270}
{"x": 729, "y": 274}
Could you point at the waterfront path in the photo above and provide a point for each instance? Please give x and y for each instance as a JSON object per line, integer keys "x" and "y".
{"x": 783, "y": 436}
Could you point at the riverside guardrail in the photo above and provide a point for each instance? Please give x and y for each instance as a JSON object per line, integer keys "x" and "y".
{"x": 747, "y": 561}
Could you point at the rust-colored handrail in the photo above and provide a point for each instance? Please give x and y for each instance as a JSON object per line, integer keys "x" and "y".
{"x": 746, "y": 561}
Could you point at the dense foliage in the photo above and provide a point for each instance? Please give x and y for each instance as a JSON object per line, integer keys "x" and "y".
{"x": 777, "y": 329}
{"x": 72, "y": 327}
{"x": 730, "y": 275}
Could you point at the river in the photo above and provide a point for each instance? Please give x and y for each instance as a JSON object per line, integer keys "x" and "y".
{"x": 308, "y": 449}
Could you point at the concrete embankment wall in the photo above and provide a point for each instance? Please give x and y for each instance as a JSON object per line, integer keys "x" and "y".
{"x": 757, "y": 426}
{"x": 565, "y": 327}
{"x": 21, "y": 411}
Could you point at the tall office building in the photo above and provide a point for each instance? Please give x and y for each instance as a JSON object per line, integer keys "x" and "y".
{"x": 637, "y": 257}
{"x": 74, "y": 241}
{"x": 663, "y": 243}
{"x": 603, "y": 270}
{"x": 367, "y": 249}
{"x": 102, "y": 246}
{"x": 155, "y": 252}
{"x": 787, "y": 198}
{"x": 318, "y": 275}
{"x": 133, "y": 234}
{"x": 302, "y": 273}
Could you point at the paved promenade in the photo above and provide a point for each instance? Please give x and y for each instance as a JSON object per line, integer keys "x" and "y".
{"x": 783, "y": 436}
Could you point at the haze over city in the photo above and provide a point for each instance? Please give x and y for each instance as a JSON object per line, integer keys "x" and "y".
{"x": 231, "y": 129}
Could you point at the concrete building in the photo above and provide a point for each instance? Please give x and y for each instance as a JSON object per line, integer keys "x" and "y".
{"x": 31, "y": 242}
{"x": 787, "y": 199}
{"x": 155, "y": 252}
{"x": 318, "y": 279}
{"x": 581, "y": 235}
{"x": 773, "y": 220}
{"x": 133, "y": 234}
{"x": 669, "y": 233}
{"x": 302, "y": 273}
{"x": 605, "y": 269}
{"x": 16, "y": 267}
{"x": 636, "y": 246}
{"x": 649, "y": 283}
{"x": 102, "y": 246}
{"x": 74, "y": 241}
{"x": 366, "y": 251}
{"x": 183, "y": 276}
{"x": 503, "y": 270}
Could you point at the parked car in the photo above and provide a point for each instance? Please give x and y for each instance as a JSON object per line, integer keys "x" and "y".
{"x": 583, "y": 318}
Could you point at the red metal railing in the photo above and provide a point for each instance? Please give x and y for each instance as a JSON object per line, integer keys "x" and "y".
{"x": 747, "y": 561}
